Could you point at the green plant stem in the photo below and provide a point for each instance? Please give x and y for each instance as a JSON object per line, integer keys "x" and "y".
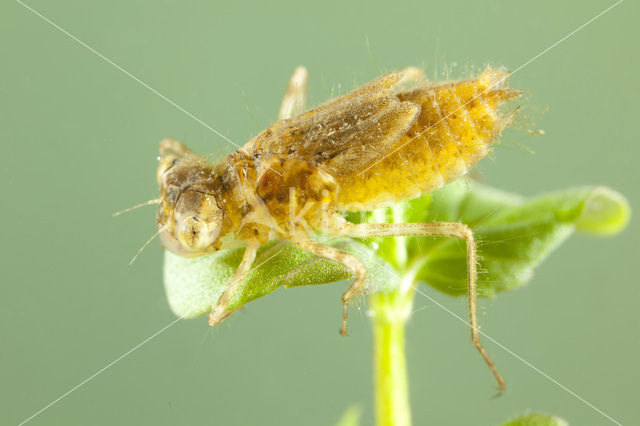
{"x": 390, "y": 314}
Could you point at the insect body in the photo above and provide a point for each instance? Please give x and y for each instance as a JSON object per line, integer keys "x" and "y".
{"x": 376, "y": 145}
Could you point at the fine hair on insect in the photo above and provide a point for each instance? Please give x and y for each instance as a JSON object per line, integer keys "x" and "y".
{"x": 395, "y": 138}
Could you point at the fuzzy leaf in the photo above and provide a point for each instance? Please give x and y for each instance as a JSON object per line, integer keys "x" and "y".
{"x": 194, "y": 285}
{"x": 351, "y": 417}
{"x": 514, "y": 235}
{"x": 537, "y": 420}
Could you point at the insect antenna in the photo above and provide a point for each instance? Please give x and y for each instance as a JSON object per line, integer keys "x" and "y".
{"x": 146, "y": 244}
{"x": 146, "y": 203}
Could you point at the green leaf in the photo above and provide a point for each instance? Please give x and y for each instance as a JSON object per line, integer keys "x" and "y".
{"x": 351, "y": 417}
{"x": 537, "y": 420}
{"x": 514, "y": 234}
{"x": 194, "y": 285}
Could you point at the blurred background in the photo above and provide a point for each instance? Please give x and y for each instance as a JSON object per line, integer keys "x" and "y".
{"x": 79, "y": 141}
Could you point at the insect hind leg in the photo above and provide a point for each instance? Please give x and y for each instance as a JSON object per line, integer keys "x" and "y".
{"x": 436, "y": 229}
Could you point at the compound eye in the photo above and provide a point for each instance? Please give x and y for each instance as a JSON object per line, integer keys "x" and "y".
{"x": 193, "y": 234}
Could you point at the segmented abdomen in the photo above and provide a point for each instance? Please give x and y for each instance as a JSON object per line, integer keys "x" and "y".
{"x": 456, "y": 127}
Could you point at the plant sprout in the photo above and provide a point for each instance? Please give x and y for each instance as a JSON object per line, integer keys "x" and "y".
{"x": 515, "y": 235}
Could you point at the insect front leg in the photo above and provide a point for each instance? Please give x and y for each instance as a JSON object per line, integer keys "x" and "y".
{"x": 172, "y": 145}
{"x": 435, "y": 229}
{"x": 295, "y": 96}
{"x": 348, "y": 260}
{"x": 219, "y": 311}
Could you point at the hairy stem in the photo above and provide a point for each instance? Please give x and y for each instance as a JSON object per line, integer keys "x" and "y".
{"x": 390, "y": 313}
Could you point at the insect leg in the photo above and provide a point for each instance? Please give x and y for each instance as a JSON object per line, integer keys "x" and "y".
{"x": 412, "y": 75}
{"x": 172, "y": 145}
{"x": 444, "y": 229}
{"x": 294, "y": 99}
{"x": 348, "y": 260}
{"x": 219, "y": 311}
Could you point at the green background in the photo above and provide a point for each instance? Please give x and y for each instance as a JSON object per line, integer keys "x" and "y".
{"x": 79, "y": 141}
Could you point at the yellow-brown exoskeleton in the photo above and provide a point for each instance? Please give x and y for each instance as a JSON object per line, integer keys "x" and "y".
{"x": 395, "y": 138}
